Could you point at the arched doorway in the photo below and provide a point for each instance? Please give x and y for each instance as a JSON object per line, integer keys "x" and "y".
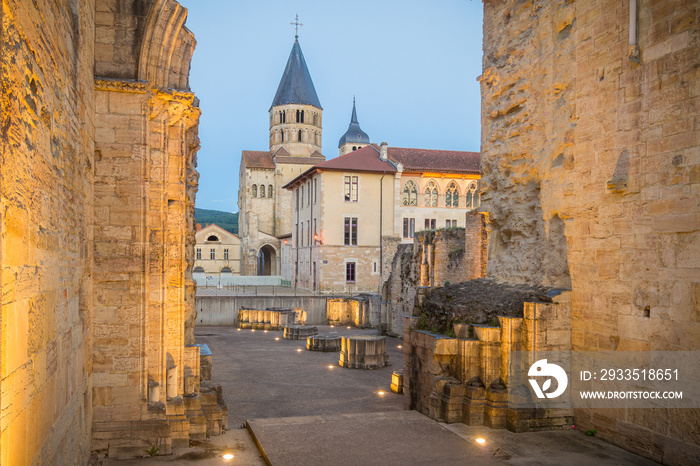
{"x": 267, "y": 257}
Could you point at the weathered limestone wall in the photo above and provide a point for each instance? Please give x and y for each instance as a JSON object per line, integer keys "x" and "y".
{"x": 451, "y": 255}
{"x": 591, "y": 170}
{"x": 46, "y": 171}
{"x": 466, "y": 379}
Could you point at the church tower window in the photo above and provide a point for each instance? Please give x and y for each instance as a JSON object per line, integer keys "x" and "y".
{"x": 431, "y": 195}
{"x": 255, "y": 190}
{"x": 282, "y": 133}
{"x": 452, "y": 195}
{"x": 269, "y": 191}
{"x": 410, "y": 193}
{"x": 299, "y": 135}
{"x": 262, "y": 190}
{"x": 472, "y": 196}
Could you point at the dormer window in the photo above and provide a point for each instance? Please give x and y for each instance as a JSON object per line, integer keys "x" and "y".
{"x": 212, "y": 238}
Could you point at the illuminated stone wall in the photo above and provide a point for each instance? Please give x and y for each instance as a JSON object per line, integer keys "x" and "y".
{"x": 591, "y": 175}
{"x": 46, "y": 172}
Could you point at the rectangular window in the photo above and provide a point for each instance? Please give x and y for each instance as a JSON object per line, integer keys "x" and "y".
{"x": 301, "y": 238}
{"x": 350, "y": 231}
{"x": 212, "y": 254}
{"x": 296, "y": 237}
{"x": 430, "y": 223}
{"x": 350, "y": 189}
{"x": 450, "y": 223}
{"x": 297, "y": 192}
{"x": 350, "y": 272}
{"x": 302, "y": 197}
{"x": 433, "y": 223}
{"x": 315, "y": 190}
{"x": 315, "y": 230}
{"x": 308, "y": 187}
{"x": 199, "y": 253}
{"x": 308, "y": 232}
{"x": 225, "y": 254}
{"x": 409, "y": 227}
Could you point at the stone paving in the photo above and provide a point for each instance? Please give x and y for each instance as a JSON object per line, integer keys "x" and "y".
{"x": 304, "y": 409}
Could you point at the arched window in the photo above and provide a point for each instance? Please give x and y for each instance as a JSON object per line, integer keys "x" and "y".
{"x": 269, "y": 191}
{"x": 298, "y": 117}
{"x": 262, "y": 190}
{"x": 255, "y": 190}
{"x": 431, "y": 195}
{"x": 302, "y": 116}
{"x": 282, "y": 133}
{"x": 472, "y": 196}
{"x": 354, "y": 147}
{"x": 452, "y": 195}
{"x": 212, "y": 238}
{"x": 410, "y": 193}
{"x": 299, "y": 135}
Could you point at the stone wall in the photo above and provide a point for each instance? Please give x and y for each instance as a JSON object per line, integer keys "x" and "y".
{"x": 468, "y": 378}
{"x": 447, "y": 255}
{"x": 46, "y": 230}
{"x": 590, "y": 169}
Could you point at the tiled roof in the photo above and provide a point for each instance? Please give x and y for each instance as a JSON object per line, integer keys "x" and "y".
{"x": 257, "y": 159}
{"x": 300, "y": 160}
{"x": 429, "y": 160}
{"x": 365, "y": 159}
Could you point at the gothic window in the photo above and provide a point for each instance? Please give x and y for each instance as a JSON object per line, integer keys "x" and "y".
{"x": 452, "y": 195}
{"x": 255, "y": 190}
{"x": 410, "y": 193}
{"x": 269, "y": 191}
{"x": 472, "y": 195}
{"x": 431, "y": 195}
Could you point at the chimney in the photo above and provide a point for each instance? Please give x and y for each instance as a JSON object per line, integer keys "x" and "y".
{"x": 198, "y": 227}
{"x": 383, "y": 152}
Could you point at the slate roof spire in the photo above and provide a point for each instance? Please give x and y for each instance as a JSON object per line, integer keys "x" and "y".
{"x": 354, "y": 134}
{"x": 296, "y": 86}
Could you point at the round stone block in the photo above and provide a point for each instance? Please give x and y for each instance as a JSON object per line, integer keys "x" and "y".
{"x": 323, "y": 343}
{"x": 363, "y": 352}
{"x": 298, "y": 332}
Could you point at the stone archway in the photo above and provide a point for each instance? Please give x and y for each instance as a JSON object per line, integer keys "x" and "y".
{"x": 267, "y": 259}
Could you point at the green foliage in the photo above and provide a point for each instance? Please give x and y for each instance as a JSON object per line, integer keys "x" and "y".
{"x": 153, "y": 451}
{"x": 591, "y": 433}
{"x": 447, "y": 283}
{"x": 226, "y": 220}
{"x": 450, "y": 332}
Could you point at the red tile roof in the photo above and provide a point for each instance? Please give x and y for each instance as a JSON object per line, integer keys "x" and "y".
{"x": 365, "y": 159}
{"x": 257, "y": 159}
{"x": 429, "y": 160}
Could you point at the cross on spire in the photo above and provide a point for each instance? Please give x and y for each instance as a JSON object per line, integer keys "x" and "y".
{"x": 296, "y": 25}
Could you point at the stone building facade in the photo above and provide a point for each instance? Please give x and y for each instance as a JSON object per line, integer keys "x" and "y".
{"x": 217, "y": 251}
{"x": 350, "y": 212}
{"x": 591, "y": 177}
{"x": 98, "y": 183}
{"x": 296, "y": 122}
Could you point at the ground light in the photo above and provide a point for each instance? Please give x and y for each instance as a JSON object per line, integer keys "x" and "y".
{"x": 380, "y": 393}
{"x": 398, "y": 346}
{"x": 277, "y": 338}
{"x": 480, "y": 441}
{"x": 238, "y": 329}
{"x": 298, "y": 350}
{"x": 227, "y": 456}
{"x": 330, "y": 366}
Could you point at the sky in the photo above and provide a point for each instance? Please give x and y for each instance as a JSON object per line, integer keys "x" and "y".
{"x": 411, "y": 64}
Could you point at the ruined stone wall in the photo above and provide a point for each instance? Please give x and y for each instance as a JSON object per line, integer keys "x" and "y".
{"x": 590, "y": 170}
{"x": 46, "y": 172}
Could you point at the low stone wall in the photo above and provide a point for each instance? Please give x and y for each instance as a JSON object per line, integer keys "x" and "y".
{"x": 270, "y": 319}
{"x": 465, "y": 379}
{"x": 223, "y": 310}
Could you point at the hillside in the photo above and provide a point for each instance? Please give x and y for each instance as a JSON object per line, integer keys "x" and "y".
{"x": 226, "y": 220}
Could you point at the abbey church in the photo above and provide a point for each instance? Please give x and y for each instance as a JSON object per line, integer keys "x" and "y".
{"x": 276, "y": 186}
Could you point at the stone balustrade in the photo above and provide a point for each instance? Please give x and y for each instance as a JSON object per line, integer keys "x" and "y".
{"x": 363, "y": 352}
{"x": 270, "y": 319}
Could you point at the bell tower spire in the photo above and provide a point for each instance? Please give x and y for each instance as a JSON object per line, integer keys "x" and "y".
{"x": 296, "y": 112}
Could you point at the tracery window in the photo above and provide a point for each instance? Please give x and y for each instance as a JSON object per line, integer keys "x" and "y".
{"x": 452, "y": 195}
{"x": 472, "y": 196}
{"x": 431, "y": 195}
{"x": 410, "y": 193}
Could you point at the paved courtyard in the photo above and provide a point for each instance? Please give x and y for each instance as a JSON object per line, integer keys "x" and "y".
{"x": 302, "y": 408}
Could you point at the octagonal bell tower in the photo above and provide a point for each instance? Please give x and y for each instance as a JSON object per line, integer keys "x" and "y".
{"x": 296, "y": 112}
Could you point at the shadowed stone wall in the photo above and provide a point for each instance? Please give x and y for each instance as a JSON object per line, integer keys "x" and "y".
{"x": 590, "y": 170}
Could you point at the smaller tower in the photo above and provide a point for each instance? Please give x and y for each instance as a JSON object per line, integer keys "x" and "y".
{"x": 354, "y": 138}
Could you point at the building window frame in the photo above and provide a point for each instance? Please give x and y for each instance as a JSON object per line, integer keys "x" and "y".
{"x": 410, "y": 194}
{"x": 350, "y": 231}
{"x": 226, "y": 255}
{"x": 351, "y": 188}
{"x": 212, "y": 254}
{"x": 351, "y": 272}
{"x": 409, "y": 227}
{"x": 198, "y": 254}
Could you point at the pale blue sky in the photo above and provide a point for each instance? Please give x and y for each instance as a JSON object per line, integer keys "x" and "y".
{"x": 412, "y": 65}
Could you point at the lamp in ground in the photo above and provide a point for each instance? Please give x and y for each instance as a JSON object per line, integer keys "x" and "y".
{"x": 298, "y": 350}
{"x": 380, "y": 393}
{"x": 227, "y": 456}
{"x": 480, "y": 441}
